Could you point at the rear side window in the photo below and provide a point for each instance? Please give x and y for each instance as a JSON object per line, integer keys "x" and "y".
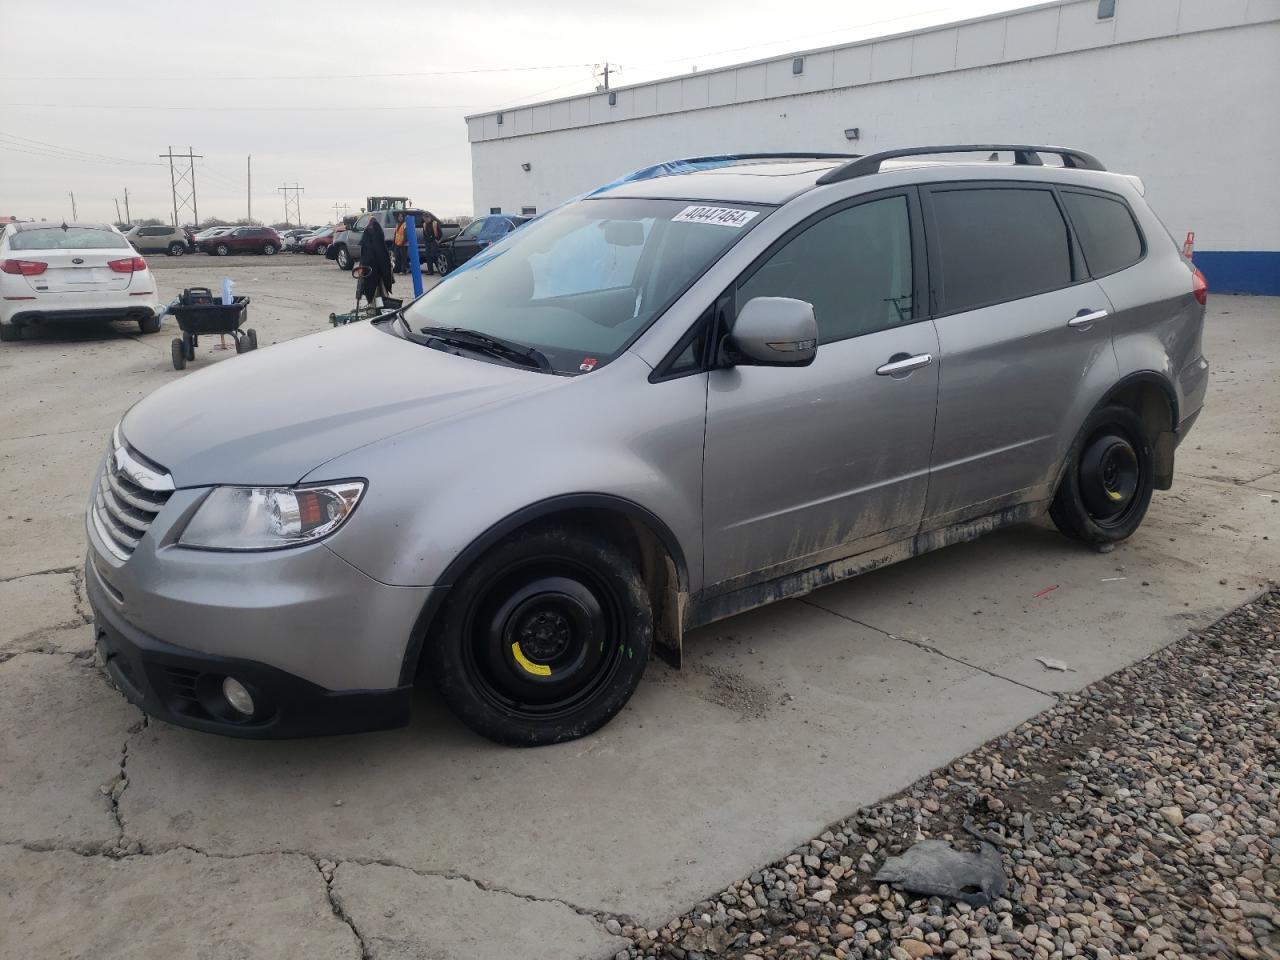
{"x": 1108, "y": 236}
{"x": 998, "y": 245}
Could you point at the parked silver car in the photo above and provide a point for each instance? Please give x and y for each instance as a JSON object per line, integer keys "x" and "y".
{"x": 717, "y": 384}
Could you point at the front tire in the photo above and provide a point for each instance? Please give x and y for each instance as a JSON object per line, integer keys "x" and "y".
{"x": 343, "y": 259}
{"x": 222, "y": 250}
{"x": 1110, "y": 475}
{"x": 544, "y": 640}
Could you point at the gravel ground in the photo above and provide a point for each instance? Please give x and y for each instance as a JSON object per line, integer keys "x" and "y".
{"x": 1135, "y": 818}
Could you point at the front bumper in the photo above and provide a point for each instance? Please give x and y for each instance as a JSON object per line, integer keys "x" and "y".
{"x": 184, "y": 686}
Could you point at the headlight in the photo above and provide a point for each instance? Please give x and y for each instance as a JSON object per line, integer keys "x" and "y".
{"x": 266, "y": 518}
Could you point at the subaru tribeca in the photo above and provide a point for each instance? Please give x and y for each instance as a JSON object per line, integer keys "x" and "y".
{"x": 710, "y": 385}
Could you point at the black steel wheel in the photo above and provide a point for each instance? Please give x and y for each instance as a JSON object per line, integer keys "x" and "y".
{"x": 179, "y": 354}
{"x": 544, "y": 639}
{"x": 1109, "y": 478}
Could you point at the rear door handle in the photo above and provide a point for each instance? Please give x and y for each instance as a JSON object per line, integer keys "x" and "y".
{"x": 1086, "y": 317}
{"x": 902, "y": 364}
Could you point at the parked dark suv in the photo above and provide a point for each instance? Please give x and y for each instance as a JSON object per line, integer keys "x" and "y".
{"x": 244, "y": 240}
{"x": 474, "y": 237}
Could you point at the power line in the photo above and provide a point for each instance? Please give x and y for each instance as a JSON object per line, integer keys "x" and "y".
{"x": 290, "y": 107}
{"x": 355, "y": 76}
{"x": 40, "y": 149}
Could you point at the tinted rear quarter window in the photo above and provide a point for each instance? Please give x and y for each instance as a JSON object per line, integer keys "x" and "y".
{"x": 1108, "y": 236}
{"x": 998, "y": 244}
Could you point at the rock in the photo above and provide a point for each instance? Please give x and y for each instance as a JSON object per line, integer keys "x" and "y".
{"x": 613, "y": 926}
{"x": 916, "y": 948}
{"x": 1172, "y": 815}
{"x": 1198, "y": 823}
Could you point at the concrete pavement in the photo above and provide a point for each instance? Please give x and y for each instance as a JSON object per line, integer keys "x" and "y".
{"x": 429, "y": 841}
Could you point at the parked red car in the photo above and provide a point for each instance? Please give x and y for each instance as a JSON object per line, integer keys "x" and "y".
{"x": 318, "y": 242}
{"x": 244, "y": 240}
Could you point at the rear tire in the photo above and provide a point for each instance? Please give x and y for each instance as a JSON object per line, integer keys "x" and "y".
{"x": 1110, "y": 475}
{"x": 179, "y": 352}
{"x": 544, "y": 639}
{"x": 177, "y": 249}
{"x": 269, "y": 249}
{"x": 149, "y": 325}
{"x": 10, "y": 332}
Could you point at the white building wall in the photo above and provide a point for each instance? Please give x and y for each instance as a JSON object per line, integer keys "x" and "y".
{"x": 1192, "y": 113}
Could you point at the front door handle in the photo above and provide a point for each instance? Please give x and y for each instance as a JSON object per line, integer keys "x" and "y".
{"x": 900, "y": 363}
{"x": 1086, "y": 317}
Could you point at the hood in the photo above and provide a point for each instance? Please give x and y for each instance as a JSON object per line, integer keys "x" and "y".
{"x": 271, "y": 416}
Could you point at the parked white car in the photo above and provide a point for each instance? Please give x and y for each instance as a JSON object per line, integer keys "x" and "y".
{"x": 175, "y": 241}
{"x": 72, "y": 271}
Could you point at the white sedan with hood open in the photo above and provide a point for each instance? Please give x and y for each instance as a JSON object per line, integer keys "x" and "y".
{"x": 72, "y": 271}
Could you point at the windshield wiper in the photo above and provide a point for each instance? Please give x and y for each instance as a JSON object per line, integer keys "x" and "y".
{"x": 487, "y": 343}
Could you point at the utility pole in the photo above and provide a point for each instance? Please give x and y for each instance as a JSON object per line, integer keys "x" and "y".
{"x": 183, "y": 183}
{"x": 339, "y": 207}
{"x": 73, "y": 205}
{"x": 126, "y": 206}
{"x": 606, "y": 77}
{"x": 292, "y": 204}
{"x": 117, "y": 200}
{"x": 248, "y": 167}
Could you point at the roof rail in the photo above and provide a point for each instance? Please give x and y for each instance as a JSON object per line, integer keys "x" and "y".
{"x": 1023, "y": 154}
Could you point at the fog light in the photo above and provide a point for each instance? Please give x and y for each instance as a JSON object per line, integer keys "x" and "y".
{"x": 237, "y": 696}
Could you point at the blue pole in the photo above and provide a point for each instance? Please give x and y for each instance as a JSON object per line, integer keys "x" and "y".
{"x": 415, "y": 267}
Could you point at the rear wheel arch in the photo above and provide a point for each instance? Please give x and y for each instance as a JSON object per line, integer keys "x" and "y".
{"x": 633, "y": 528}
{"x": 1151, "y": 396}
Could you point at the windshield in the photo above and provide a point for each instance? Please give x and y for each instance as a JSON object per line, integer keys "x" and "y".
{"x": 579, "y": 283}
{"x": 72, "y": 238}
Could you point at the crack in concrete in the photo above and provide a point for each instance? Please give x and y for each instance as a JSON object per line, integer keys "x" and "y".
{"x": 927, "y": 648}
{"x": 58, "y": 433}
{"x": 40, "y": 573}
{"x": 138, "y": 849}
{"x": 339, "y": 911}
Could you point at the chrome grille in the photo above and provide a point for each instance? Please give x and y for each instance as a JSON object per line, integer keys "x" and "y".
{"x": 129, "y": 495}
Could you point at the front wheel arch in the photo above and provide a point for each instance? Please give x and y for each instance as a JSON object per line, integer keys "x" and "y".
{"x": 632, "y": 526}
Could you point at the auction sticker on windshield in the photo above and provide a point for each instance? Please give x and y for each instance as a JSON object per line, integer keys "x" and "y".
{"x": 720, "y": 216}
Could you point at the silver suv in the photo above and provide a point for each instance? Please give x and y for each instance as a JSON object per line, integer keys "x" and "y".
{"x": 714, "y": 384}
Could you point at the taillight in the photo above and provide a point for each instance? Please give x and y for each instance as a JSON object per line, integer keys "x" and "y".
{"x": 1199, "y": 286}
{"x": 128, "y": 265}
{"x": 27, "y": 268}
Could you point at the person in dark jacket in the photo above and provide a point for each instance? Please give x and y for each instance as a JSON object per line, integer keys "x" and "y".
{"x": 431, "y": 234}
{"x": 377, "y": 279}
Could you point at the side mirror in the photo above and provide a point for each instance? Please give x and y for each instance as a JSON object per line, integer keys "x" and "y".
{"x": 773, "y": 332}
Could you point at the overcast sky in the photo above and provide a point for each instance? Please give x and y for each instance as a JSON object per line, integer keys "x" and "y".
{"x": 93, "y": 91}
